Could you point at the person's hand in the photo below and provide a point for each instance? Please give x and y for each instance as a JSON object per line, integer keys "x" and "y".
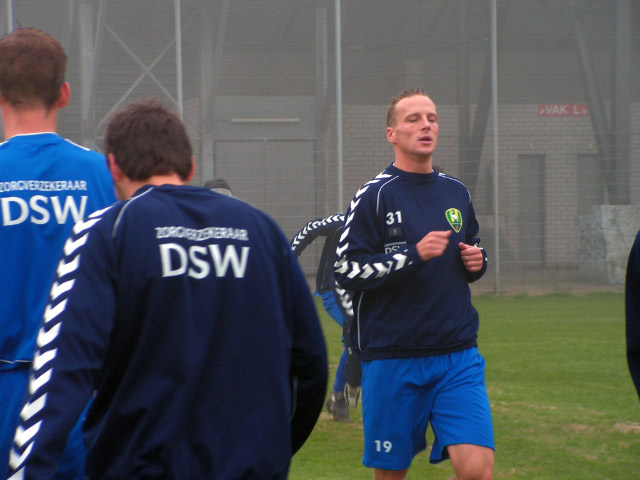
{"x": 471, "y": 257}
{"x": 433, "y": 244}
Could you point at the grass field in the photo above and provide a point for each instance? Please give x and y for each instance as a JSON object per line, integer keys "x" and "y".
{"x": 563, "y": 403}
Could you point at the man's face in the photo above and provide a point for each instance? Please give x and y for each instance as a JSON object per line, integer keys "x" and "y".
{"x": 415, "y": 131}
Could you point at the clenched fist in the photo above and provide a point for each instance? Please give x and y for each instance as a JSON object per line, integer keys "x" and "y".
{"x": 471, "y": 257}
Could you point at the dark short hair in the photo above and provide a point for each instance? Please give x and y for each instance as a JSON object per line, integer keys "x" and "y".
{"x": 32, "y": 68}
{"x": 391, "y": 109}
{"x": 147, "y": 139}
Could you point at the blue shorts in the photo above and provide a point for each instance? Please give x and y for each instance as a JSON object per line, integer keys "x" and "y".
{"x": 401, "y": 396}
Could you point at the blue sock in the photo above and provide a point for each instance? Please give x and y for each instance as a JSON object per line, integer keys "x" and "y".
{"x": 338, "y": 385}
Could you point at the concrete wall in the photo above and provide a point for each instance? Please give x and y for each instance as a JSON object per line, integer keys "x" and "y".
{"x": 606, "y": 237}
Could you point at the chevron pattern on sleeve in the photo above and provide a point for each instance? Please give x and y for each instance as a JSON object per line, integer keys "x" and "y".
{"x": 366, "y": 270}
{"x": 310, "y": 231}
{"x": 30, "y": 417}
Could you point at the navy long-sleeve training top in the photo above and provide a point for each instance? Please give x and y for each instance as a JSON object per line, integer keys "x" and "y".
{"x": 186, "y": 316}
{"x": 403, "y": 306}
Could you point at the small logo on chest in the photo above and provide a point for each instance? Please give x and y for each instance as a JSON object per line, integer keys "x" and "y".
{"x": 454, "y": 217}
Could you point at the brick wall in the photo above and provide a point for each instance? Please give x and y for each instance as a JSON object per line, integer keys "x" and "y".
{"x": 522, "y": 132}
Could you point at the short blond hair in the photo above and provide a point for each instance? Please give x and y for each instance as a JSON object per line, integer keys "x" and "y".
{"x": 391, "y": 109}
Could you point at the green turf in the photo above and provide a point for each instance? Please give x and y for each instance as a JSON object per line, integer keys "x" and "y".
{"x": 562, "y": 399}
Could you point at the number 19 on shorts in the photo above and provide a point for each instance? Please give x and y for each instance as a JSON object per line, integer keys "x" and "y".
{"x": 383, "y": 445}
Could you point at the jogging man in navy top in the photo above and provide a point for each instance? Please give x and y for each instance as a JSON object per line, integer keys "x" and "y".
{"x": 47, "y": 184}
{"x": 184, "y": 313}
{"x": 409, "y": 251}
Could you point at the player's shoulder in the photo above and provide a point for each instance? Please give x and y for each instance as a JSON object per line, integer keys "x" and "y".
{"x": 147, "y": 202}
{"x": 51, "y": 146}
{"x": 450, "y": 179}
{"x": 451, "y": 183}
{"x": 130, "y": 209}
{"x": 81, "y": 152}
{"x": 381, "y": 181}
{"x": 100, "y": 220}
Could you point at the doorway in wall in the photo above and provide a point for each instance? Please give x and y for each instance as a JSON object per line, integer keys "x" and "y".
{"x": 531, "y": 210}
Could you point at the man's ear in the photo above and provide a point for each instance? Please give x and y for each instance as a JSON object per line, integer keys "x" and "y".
{"x": 65, "y": 95}
{"x": 391, "y": 135}
{"x": 114, "y": 168}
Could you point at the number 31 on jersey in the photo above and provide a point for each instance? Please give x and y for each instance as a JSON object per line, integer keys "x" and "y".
{"x": 394, "y": 217}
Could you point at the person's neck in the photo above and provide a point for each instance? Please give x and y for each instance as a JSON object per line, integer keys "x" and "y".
{"x": 127, "y": 187}
{"x": 414, "y": 164}
{"x": 25, "y": 121}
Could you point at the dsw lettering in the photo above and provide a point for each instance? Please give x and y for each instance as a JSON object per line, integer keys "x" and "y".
{"x": 199, "y": 261}
{"x": 39, "y": 209}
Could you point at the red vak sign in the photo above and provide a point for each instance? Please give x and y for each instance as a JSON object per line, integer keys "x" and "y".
{"x": 563, "y": 110}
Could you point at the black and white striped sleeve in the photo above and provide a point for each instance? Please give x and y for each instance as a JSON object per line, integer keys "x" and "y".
{"x": 70, "y": 350}
{"x": 362, "y": 263}
{"x": 320, "y": 227}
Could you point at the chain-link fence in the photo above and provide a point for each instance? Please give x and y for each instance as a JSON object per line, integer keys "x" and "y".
{"x": 286, "y": 100}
